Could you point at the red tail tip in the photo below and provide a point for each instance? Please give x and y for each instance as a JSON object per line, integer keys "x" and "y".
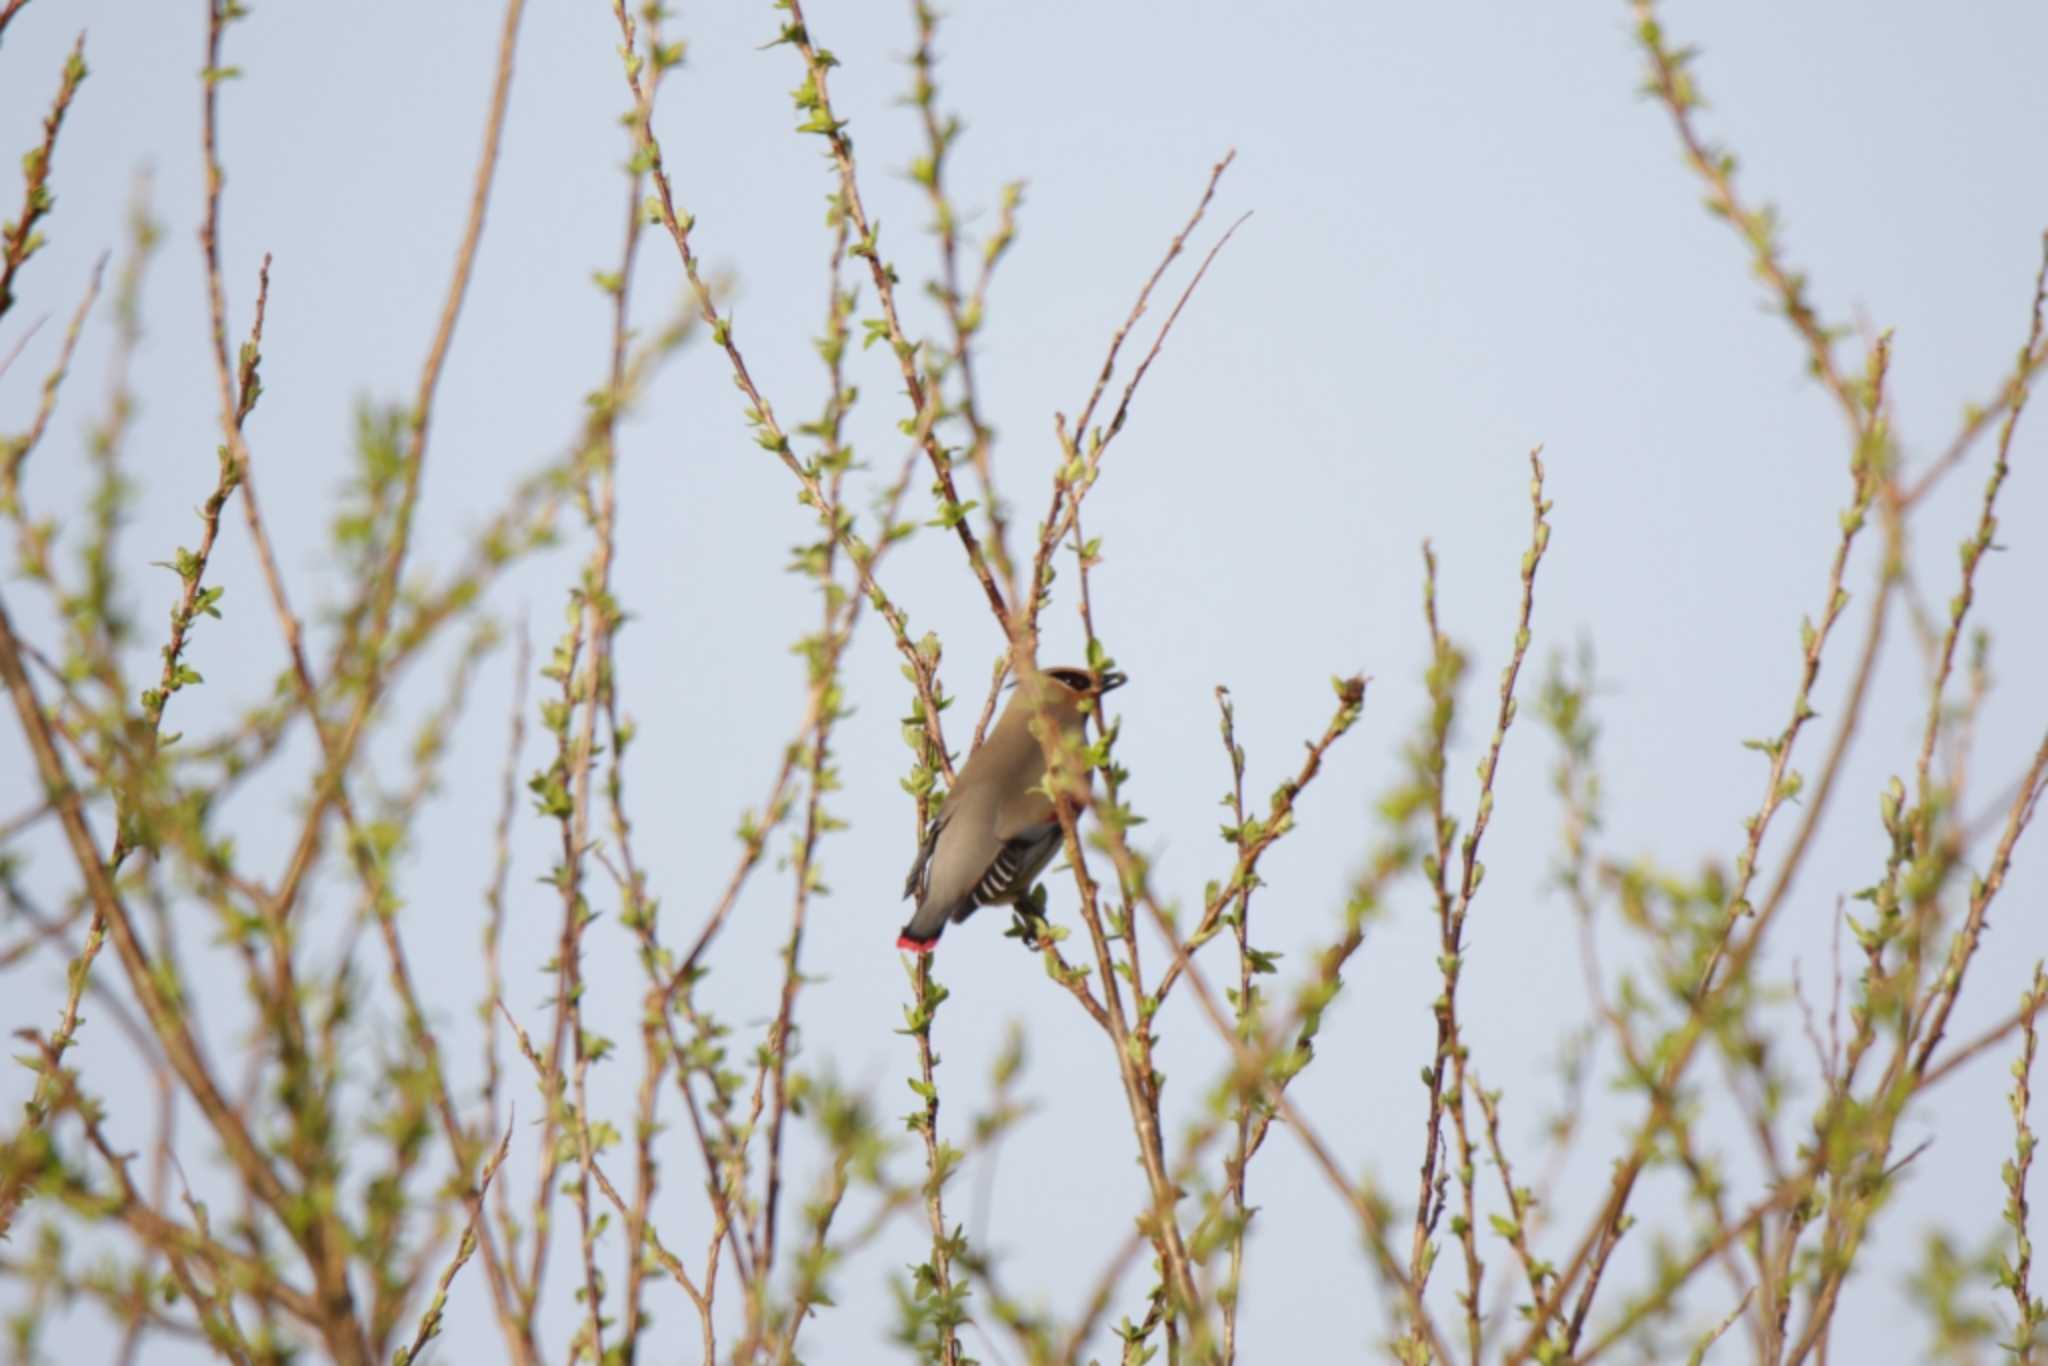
{"x": 909, "y": 945}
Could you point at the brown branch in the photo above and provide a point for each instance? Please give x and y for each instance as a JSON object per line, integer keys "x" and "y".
{"x": 1448, "y": 1084}
{"x": 1372, "y": 1217}
{"x": 430, "y": 1321}
{"x": 178, "y": 1244}
{"x": 2017, "y": 1275}
{"x": 1249, "y": 1006}
{"x": 14, "y": 452}
{"x": 1731, "y": 948}
{"x": 600, "y": 619}
{"x": 444, "y": 330}
{"x": 840, "y": 615}
{"x": 1521, "y": 1203}
{"x": 2011, "y": 398}
{"x": 1672, "y": 83}
{"x": 771, "y": 436}
{"x": 815, "y": 99}
{"x": 1071, "y": 795}
{"x": 19, "y": 239}
{"x": 1967, "y": 1052}
{"x": 1278, "y": 821}
{"x": 927, "y": 996}
{"x": 8, "y": 11}
{"x": 237, "y": 381}
{"x": 1973, "y": 551}
{"x": 964, "y": 315}
{"x": 1708, "y": 1251}
{"x": 385, "y": 583}
{"x": 1116, "y": 341}
{"x": 1964, "y": 946}
{"x": 341, "y": 1331}
{"x": 1081, "y": 456}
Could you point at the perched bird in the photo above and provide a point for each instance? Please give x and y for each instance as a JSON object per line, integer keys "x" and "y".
{"x": 997, "y": 829}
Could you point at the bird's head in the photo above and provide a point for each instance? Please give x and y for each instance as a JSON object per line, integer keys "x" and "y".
{"x": 1086, "y": 683}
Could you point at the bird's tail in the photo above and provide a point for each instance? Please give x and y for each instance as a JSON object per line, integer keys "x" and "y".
{"x": 921, "y": 935}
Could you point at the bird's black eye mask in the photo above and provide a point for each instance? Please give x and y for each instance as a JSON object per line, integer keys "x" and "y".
{"x": 1073, "y": 678}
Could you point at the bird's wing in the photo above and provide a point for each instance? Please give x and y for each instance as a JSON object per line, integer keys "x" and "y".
{"x": 920, "y": 871}
{"x": 947, "y": 894}
{"x": 1015, "y": 867}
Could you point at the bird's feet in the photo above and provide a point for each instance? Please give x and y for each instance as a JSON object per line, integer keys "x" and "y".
{"x": 1029, "y": 929}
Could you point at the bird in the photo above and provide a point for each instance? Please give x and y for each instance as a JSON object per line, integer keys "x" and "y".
{"x": 997, "y": 828}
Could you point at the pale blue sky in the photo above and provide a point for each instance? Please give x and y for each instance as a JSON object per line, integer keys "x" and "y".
{"x": 1469, "y": 236}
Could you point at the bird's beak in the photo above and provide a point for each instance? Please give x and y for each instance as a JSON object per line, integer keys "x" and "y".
{"x": 1111, "y": 681}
